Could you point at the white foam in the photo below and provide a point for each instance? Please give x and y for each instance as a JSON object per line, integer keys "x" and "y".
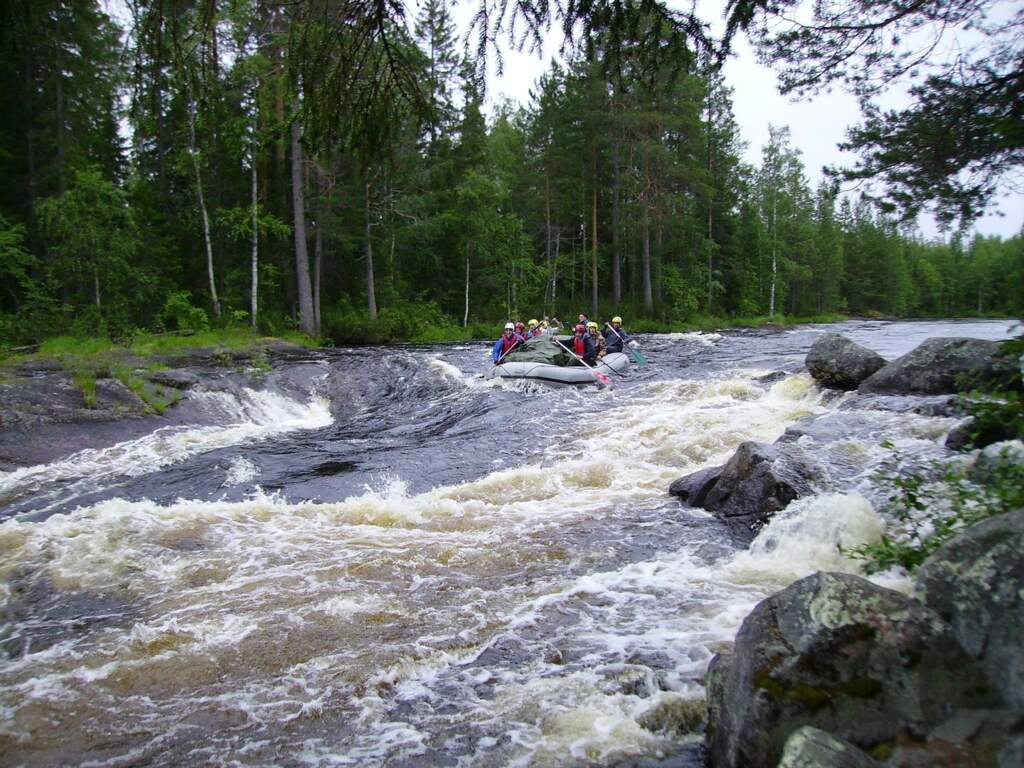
{"x": 810, "y": 535}
{"x": 241, "y": 471}
{"x": 250, "y": 416}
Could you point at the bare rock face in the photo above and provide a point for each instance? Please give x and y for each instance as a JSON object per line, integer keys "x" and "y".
{"x": 940, "y": 366}
{"x": 835, "y": 361}
{"x": 975, "y": 583}
{"x": 834, "y": 651}
{"x": 809, "y": 747}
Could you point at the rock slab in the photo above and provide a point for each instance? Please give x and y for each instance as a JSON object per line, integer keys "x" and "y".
{"x": 940, "y": 366}
{"x": 837, "y": 362}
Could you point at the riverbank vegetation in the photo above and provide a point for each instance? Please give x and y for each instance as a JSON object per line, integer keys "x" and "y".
{"x": 281, "y": 175}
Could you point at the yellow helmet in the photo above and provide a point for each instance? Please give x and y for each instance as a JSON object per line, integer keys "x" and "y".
{"x": 617, "y": 319}
{"x": 533, "y": 323}
{"x": 591, "y": 324}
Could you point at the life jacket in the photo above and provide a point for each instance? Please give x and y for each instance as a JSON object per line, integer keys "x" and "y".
{"x": 579, "y": 345}
{"x": 507, "y": 342}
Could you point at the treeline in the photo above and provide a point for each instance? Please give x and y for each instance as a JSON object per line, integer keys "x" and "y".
{"x": 285, "y": 165}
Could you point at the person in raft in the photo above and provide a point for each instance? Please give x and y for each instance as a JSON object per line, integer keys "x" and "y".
{"x": 534, "y": 329}
{"x": 616, "y": 335}
{"x": 581, "y": 344}
{"x": 600, "y": 344}
{"x": 509, "y": 340}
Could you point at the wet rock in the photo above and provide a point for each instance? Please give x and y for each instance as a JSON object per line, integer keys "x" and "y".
{"x": 837, "y": 362}
{"x": 941, "y": 366}
{"x": 175, "y": 378}
{"x": 693, "y": 489}
{"x": 993, "y": 458}
{"x": 971, "y": 738}
{"x": 810, "y": 747}
{"x": 117, "y": 400}
{"x": 839, "y": 653}
{"x": 286, "y": 350}
{"x": 674, "y": 714}
{"x": 969, "y": 435}
{"x": 974, "y": 583}
{"x": 758, "y": 481}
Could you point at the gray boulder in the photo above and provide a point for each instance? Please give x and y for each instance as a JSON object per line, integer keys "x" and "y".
{"x": 975, "y": 583}
{"x": 758, "y": 481}
{"x": 839, "y": 653}
{"x": 693, "y": 489}
{"x": 940, "y": 366}
{"x": 809, "y": 747}
{"x": 175, "y": 378}
{"x": 835, "y": 361}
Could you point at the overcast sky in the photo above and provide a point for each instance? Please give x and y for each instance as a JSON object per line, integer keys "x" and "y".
{"x": 816, "y": 127}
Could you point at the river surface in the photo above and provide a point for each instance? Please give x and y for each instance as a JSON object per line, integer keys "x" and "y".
{"x": 379, "y": 558}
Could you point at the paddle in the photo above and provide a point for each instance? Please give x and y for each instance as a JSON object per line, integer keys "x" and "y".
{"x": 601, "y": 377}
{"x": 635, "y": 355}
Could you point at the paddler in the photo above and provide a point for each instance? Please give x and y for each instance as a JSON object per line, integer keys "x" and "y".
{"x": 508, "y": 341}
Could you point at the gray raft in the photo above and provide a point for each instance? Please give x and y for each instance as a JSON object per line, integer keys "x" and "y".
{"x": 545, "y": 360}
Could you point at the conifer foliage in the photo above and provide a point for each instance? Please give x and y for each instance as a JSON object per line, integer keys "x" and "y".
{"x": 334, "y": 166}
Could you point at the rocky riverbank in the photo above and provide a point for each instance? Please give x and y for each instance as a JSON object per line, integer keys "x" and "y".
{"x": 835, "y": 671}
{"x": 52, "y": 406}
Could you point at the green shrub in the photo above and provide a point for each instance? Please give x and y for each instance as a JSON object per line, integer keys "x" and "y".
{"x": 934, "y": 506}
{"x": 180, "y": 314}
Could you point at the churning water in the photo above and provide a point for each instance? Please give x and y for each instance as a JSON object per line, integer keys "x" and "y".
{"x": 407, "y": 565}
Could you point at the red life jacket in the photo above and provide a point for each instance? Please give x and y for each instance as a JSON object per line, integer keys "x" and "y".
{"x": 507, "y": 342}
{"x": 579, "y": 345}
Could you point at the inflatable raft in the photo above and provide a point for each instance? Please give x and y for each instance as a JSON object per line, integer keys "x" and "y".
{"x": 544, "y": 360}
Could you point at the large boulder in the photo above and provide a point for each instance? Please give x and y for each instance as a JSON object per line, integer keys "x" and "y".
{"x": 975, "y": 583}
{"x": 864, "y": 663}
{"x": 835, "y": 361}
{"x": 940, "y": 366}
{"x": 758, "y": 481}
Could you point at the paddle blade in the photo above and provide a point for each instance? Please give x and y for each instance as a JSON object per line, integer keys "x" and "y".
{"x": 638, "y": 357}
{"x": 603, "y": 378}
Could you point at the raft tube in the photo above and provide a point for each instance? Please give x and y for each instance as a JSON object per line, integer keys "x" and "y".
{"x": 613, "y": 363}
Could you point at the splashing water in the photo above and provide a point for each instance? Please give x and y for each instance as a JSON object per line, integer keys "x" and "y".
{"x": 430, "y": 573}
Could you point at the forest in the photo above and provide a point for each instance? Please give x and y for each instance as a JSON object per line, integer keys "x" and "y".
{"x": 333, "y": 168}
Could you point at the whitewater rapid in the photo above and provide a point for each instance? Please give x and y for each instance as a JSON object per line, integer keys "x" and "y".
{"x": 555, "y": 607}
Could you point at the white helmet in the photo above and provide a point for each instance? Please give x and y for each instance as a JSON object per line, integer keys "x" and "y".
{"x": 509, "y": 327}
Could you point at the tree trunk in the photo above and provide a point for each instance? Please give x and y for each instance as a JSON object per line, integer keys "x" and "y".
{"x": 547, "y": 235}
{"x": 307, "y": 320}
{"x": 465, "y": 314}
{"x": 194, "y": 152}
{"x": 645, "y": 236}
{"x": 318, "y": 249}
{"x": 254, "y": 306}
{"x": 593, "y": 229}
{"x": 616, "y": 235}
{"x": 371, "y": 296}
{"x": 96, "y": 284}
{"x": 59, "y": 90}
{"x": 771, "y": 301}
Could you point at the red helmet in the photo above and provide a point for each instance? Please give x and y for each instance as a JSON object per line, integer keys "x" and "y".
{"x": 581, "y": 328}
{"x": 519, "y": 326}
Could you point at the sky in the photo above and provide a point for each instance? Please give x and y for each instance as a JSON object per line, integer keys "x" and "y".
{"x": 816, "y": 126}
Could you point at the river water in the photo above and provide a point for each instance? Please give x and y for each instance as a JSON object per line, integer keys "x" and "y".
{"x": 378, "y": 558}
